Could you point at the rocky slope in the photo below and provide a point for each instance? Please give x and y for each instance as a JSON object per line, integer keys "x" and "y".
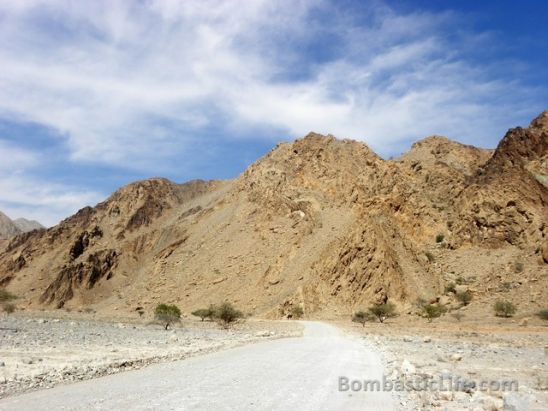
{"x": 320, "y": 222}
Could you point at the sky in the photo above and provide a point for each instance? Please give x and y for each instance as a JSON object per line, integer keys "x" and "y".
{"x": 97, "y": 94}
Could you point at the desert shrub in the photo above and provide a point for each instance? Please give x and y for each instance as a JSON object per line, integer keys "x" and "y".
{"x": 430, "y": 256}
{"x": 450, "y": 288}
{"x": 383, "y": 311}
{"x": 543, "y": 314}
{"x": 297, "y": 312}
{"x": 167, "y": 314}
{"x": 432, "y": 311}
{"x": 9, "y": 308}
{"x": 204, "y": 313}
{"x": 460, "y": 280}
{"x": 5, "y": 295}
{"x": 420, "y": 302}
{"x": 439, "y": 238}
{"x": 226, "y": 314}
{"x": 362, "y": 317}
{"x": 464, "y": 297}
{"x": 518, "y": 266}
{"x": 504, "y": 309}
{"x": 458, "y": 316}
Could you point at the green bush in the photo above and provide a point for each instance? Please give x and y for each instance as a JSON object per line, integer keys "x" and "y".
{"x": 543, "y": 314}
{"x": 204, "y": 313}
{"x": 439, "y": 238}
{"x": 383, "y": 311}
{"x": 5, "y": 296}
{"x": 297, "y": 312}
{"x": 9, "y": 308}
{"x": 167, "y": 314}
{"x": 504, "y": 309}
{"x": 362, "y": 317}
{"x": 432, "y": 311}
{"x": 464, "y": 297}
{"x": 226, "y": 314}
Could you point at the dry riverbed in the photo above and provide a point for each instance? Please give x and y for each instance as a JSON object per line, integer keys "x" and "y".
{"x": 465, "y": 355}
{"x": 37, "y": 353}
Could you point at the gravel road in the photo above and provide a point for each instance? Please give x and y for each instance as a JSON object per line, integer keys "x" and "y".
{"x": 292, "y": 373}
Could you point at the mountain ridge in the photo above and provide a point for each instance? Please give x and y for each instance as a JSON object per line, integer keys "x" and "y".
{"x": 322, "y": 223}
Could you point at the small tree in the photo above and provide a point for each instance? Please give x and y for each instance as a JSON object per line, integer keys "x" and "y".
{"x": 362, "y": 317}
{"x": 383, "y": 311}
{"x": 297, "y": 312}
{"x": 464, "y": 297}
{"x": 226, "y": 314}
{"x": 432, "y": 311}
{"x": 204, "y": 313}
{"x": 9, "y": 308}
{"x": 504, "y": 309}
{"x": 167, "y": 314}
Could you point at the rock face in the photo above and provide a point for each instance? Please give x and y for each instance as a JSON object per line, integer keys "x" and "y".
{"x": 320, "y": 223}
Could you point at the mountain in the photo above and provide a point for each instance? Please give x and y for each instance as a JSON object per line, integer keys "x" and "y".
{"x": 25, "y": 225}
{"x": 319, "y": 222}
{"x": 8, "y": 228}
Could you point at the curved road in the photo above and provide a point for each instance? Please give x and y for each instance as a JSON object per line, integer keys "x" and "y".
{"x": 286, "y": 374}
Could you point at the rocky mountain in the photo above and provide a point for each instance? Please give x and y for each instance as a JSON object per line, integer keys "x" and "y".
{"x": 322, "y": 223}
{"x": 8, "y": 228}
{"x": 25, "y": 225}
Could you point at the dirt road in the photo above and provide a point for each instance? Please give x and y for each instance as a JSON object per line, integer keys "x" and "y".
{"x": 292, "y": 373}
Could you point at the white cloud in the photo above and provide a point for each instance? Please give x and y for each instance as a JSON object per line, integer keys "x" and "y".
{"x": 131, "y": 84}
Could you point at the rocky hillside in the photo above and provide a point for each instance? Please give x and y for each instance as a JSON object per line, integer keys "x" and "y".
{"x": 322, "y": 223}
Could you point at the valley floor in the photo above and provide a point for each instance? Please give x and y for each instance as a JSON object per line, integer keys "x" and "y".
{"x": 464, "y": 354}
{"x": 41, "y": 352}
{"x": 292, "y": 373}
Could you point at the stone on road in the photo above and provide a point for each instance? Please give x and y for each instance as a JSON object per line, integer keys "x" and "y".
{"x": 286, "y": 374}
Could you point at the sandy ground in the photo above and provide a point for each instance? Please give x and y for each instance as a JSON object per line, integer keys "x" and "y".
{"x": 464, "y": 354}
{"x": 42, "y": 352}
{"x": 284, "y": 374}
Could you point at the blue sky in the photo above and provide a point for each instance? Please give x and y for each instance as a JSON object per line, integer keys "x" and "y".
{"x": 94, "y": 95}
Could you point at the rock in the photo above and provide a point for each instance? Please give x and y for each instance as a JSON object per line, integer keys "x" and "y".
{"x": 262, "y": 334}
{"x": 2, "y": 364}
{"x": 173, "y": 338}
{"x": 27, "y": 361}
{"x": 41, "y": 321}
{"x": 524, "y": 322}
{"x": 427, "y": 339}
{"x": 456, "y": 357}
{"x": 407, "y": 368}
{"x": 516, "y": 402}
{"x": 461, "y": 288}
{"x": 407, "y": 339}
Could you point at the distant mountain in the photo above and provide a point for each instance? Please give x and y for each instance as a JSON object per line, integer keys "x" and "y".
{"x": 27, "y": 225}
{"x": 10, "y": 228}
{"x": 7, "y": 227}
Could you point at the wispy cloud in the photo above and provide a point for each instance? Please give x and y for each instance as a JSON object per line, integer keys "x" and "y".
{"x": 133, "y": 84}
